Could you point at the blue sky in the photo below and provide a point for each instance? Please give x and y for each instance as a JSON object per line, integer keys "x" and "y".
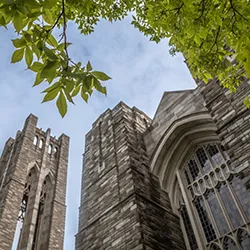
{"x": 141, "y": 71}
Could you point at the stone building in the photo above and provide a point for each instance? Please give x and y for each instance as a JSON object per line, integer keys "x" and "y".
{"x": 33, "y": 171}
{"x": 178, "y": 181}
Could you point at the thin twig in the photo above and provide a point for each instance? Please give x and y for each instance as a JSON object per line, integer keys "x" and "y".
{"x": 216, "y": 40}
{"x": 74, "y": 63}
{"x": 177, "y": 8}
{"x": 56, "y": 22}
{"x": 64, "y": 32}
{"x": 202, "y": 10}
{"x": 234, "y": 10}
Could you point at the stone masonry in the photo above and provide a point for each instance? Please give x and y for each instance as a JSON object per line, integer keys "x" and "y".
{"x": 232, "y": 120}
{"x": 122, "y": 204}
{"x": 33, "y": 169}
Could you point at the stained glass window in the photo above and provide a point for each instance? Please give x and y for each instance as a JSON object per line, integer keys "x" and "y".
{"x": 244, "y": 239}
{"x": 218, "y": 199}
{"x": 204, "y": 219}
{"x": 188, "y": 227}
{"x": 217, "y": 213}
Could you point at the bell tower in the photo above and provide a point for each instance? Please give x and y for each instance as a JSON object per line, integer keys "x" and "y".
{"x": 33, "y": 174}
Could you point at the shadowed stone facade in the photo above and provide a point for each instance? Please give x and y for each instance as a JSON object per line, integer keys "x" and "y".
{"x": 122, "y": 204}
{"x": 135, "y": 193}
{"x": 33, "y": 172}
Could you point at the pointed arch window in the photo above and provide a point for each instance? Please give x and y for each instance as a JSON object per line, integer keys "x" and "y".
{"x": 216, "y": 202}
{"x": 23, "y": 208}
{"x": 41, "y": 143}
{"x": 50, "y": 149}
{"x": 39, "y": 226}
{"x": 35, "y": 140}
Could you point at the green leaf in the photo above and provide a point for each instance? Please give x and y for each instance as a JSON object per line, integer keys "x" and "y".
{"x": 28, "y": 37}
{"x": 33, "y": 4}
{"x": 38, "y": 79}
{"x": 36, "y": 66}
{"x": 22, "y": 10}
{"x": 88, "y": 67}
{"x": 51, "y": 55}
{"x": 2, "y": 21}
{"x": 84, "y": 95}
{"x": 49, "y": 3}
{"x": 40, "y": 45}
{"x": 62, "y": 104}
{"x": 247, "y": 67}
{"x": 52, "y": 41}
{"x": 49, "y": 70}
{"x": 69, "y": 85}
{"x": 36, "y": 51}
{"x": 28, "y": 56}
{"x": 247, "y": 102}
{"x": 60, "y": 47}
{"x": 17, "y": 55}
{"x": 76, "y": 91}
{"x": 18, "y": 43}
{"x": 99, "y": 87}
{"x": 100, "y": 75}
{"x": 18, "y": 22}
{"x": 56, "y": 85}
{"x": 68, "y": 96}
{"x": 197, "y": 40}
{"x": 47, "y": 16}
{"x": 51, "y": 95}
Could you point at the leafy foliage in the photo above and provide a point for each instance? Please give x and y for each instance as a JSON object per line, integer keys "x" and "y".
{"x": 213, "y": 35}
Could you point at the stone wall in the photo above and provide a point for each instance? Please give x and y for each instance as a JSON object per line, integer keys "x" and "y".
{"x": 232, "y": 120}
{"x": 20, "y": 160}
{"x": 122, "y": 204}
{"x": 173, "y": 106}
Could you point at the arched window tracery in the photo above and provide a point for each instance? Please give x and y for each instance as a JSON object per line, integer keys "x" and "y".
{"x": 215, "y": 202}
{"x": 244, "y": 239}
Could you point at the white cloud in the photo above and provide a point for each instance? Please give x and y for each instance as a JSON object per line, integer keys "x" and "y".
{"x": 141, "y": 71}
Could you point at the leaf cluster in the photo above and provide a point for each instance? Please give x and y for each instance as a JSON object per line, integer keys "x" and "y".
{"x": 213, "y": 35}
{"x": 46, "y": 55}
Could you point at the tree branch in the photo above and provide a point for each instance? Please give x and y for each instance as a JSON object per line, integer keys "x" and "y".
{"x": 202, "y": 10}
{"x": 57, "y": 20}
{"x": 216, "y": 40}
{"x": 236, "y": 11}
{"x": 64, "y": 32}
{"x": 177, "y": 8}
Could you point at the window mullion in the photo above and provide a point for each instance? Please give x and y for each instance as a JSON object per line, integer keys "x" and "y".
{"x": 189, "y": 175}
{"x": 200, "y": 238}
{"x": 209, "y": 159}
{"x": 211, "y": 217}
{"x": 198, "y": 164}
{"x": 224, "y": 211}
{"x": 185, "y": 234}
{"x": 237, "y": 202}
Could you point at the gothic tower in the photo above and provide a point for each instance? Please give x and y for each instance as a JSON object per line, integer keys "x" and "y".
{"x": 122, "y": 204}
{"x": 33, "y": 172}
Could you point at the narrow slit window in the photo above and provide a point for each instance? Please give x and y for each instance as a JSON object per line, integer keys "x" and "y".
{"x": 50, "y": 149}
{"x": 35, "y": 140}
{"x": 41, "y": 143}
